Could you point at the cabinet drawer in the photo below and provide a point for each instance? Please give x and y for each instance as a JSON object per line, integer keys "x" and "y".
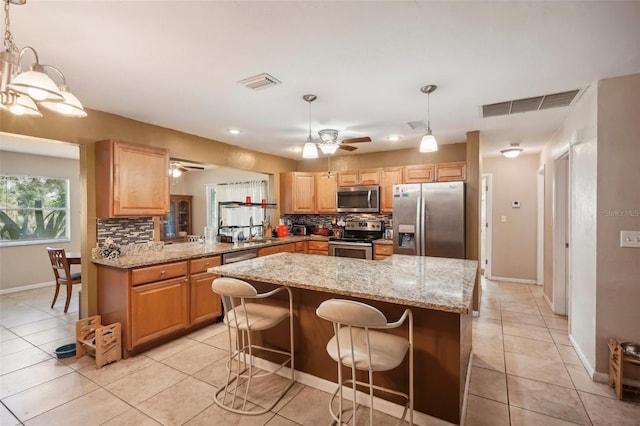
{"x": 318, "y": 245}
{"x": 201, "y": 265}
{"x": 266, "y": 251}
{"x": 383, "y": 249}
{"x": 158, "y": 272}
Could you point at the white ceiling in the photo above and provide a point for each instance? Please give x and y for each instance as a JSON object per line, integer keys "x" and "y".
{"x": 177, "y": 64}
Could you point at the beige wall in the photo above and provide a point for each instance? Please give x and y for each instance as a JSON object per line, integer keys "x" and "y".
{"x": 29, "y": 264}
{"x": 513, "y": 243}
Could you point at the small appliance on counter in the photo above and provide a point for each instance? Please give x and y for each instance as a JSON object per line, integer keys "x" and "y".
{"x": 299, "y": 229}
{"x": 282, "y": 231}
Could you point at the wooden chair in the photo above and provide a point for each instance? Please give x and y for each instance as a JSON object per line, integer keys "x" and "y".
{"x": 62, "y": 272}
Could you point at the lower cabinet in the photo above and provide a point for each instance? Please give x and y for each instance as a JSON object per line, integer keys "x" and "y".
{"x": 280, "y": 248}
{"x": 301, "y": 247}
{"x": 318, "y": 247}
{"x": 156, "y": 302}
{"x": 382, "y": 251}
{"x": 158, "y": 309}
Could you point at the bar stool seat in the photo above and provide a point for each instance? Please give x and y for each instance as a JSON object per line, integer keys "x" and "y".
{"x": 358, "y": 344}
{"x": 244, "y": 317}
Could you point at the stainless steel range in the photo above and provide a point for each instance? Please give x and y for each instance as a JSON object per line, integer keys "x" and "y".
{"x": 357, "y": 240}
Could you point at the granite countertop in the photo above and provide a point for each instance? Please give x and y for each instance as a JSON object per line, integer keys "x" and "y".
{"x": 383, "y": 241}
{"x": 146, "y": 254}
{"x": 426, "y": 282}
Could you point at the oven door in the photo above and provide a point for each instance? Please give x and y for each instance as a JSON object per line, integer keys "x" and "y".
{"x": 352, "y": 250}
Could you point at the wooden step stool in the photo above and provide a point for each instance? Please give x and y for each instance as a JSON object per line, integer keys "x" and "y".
{"x": 617, "y": 358}
{"x": 104, "y": 342}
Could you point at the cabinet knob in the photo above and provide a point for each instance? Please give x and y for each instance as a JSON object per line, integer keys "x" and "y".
{"x": 206, "y": 264}
{"x": 163, "y": 272}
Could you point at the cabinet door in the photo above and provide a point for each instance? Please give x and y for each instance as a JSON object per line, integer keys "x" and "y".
{"x": 348, "y": 178}
{"x": 418, "y": 173}
{"x": 280, "y": 248}
{"x": 304, "y": 193}
{"x": 447, "y": 172}
{"x": 369, "y": 177}
{"x": 183, "y": 216}
{"x": 205, "y": 304}
{"x": 140, "y": 180}
{"x": 326, "y": 192}
{"x": 158, "y": 309}
{"x": 318, "y": 247}
{"x": 390, "y": 177}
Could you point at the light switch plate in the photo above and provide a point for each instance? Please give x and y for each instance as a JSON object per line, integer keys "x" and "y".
{"x": 630, "y": 239}
{"x": 503, "y": 219}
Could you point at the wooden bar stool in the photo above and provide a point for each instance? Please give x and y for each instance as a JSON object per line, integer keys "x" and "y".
{"x": 358, "y": 345}
{"x": 243, "y": 317}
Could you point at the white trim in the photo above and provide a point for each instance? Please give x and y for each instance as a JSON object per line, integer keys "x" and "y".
{"x": 540, "y": 230}
{"x": 590, "y": 370}
{"x": 27, "y": 287}
{"x": 513, "y": 280}
{"x": 488, "y": 230}
{"x": 560, "y": 232}
{"x": 329, "y": 387}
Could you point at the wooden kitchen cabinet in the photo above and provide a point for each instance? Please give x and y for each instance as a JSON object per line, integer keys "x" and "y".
{"x": 326, "y": 188}
{"x": 179, "y": 219}
{"x": 158, "y": 309}
{"x": 447, "y": 172}
{"x": 382, "y": 251}
{"x": 279, "y": 248}
{"x": 418, "y": 173}
{"x": 301, "y": 247}
{"x": 204, "y": 304}
{"x": 389, "y": 176}
{"x": 362, "y": 177}
{"x": 318, "y": 247}
{"x": 134, "y": 180}
{"x": 297, "y": 192}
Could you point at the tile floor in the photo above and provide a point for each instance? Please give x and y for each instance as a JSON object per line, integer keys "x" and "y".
{"x": 524, "y": 372}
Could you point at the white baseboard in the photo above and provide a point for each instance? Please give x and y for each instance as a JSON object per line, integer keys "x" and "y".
{"x": 513, "y": 280}
{"x": 27, "y": 287}
{"x": 382, "y": 405}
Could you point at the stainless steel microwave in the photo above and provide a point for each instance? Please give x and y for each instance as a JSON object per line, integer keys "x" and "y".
{"x": 358, "y": 199}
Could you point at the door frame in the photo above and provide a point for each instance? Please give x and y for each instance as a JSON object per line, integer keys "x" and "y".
{"x": 485, "y": 249}
{"x": 540, "y": 254}
{"x": 561, "y": 211}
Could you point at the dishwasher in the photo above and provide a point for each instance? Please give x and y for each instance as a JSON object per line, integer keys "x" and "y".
{"x": 239, "y": 256}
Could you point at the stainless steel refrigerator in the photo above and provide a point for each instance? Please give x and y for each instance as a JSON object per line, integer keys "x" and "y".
{"x": 429, "y": 219}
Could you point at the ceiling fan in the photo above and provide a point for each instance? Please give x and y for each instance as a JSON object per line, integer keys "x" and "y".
{"x": 329, "y": 137}
{"x": 176, "y": 168}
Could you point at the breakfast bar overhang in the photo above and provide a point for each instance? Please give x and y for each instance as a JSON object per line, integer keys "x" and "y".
{"x": 438, "y": 291}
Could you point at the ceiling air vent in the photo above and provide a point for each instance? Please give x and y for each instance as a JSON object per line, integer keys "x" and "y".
{"x": 260, "y": 81}
{"x": 554, "y": 100}
{"x": 418, "y": 124}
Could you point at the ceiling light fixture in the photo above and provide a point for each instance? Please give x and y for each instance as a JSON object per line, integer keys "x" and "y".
{"x": 428, "y": 142}
{"x": 512, "y": 152}
{"x": 394, "y": 138}
{"x": 234, "y": 131}
{"x": 20, "y": 91}
{"x": 329, "y": 141}
{"x": 309, "y": 150}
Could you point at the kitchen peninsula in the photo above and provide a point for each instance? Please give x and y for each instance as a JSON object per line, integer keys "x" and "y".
{"x": 438, "y": 290}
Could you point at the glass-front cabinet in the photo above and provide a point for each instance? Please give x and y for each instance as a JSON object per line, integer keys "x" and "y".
{"x": 177, "y": 225}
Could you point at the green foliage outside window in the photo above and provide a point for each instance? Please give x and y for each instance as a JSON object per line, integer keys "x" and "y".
{"x": 33, "y": 209}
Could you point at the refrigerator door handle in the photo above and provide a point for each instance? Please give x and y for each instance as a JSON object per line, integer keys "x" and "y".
{"x": 418, "y": 235}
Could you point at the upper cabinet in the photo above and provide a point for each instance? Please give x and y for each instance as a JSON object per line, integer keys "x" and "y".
{"x": 134, "y": 180}
{"x": 418, "y": 173}
{"x": 446, "y": 172}
{"x": 361, "y": 177}
{"x": 389, "y": 176}
{"x": 297, "y": 192}
{"x": 326, "y": 187}
{"x": 178, "y": 223}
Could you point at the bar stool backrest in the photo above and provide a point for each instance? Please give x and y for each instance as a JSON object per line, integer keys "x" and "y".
{"x": 350, "y": 312}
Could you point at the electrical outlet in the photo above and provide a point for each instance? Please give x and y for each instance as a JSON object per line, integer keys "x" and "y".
{"x": 630, "y": 239}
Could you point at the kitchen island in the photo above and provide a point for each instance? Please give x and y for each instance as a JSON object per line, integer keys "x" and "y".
{"x": 438, "y": 291}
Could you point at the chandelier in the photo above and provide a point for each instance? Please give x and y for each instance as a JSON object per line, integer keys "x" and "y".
{"x": 22, "y": 92}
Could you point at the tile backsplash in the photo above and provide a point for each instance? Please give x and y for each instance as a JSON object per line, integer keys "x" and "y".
{"x": 125, "y": 231}
{"x": 325, "y": 219}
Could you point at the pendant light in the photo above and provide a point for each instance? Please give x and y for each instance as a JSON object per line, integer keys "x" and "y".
{"x": 329, "y": 141}
{"x": 22, "y": 92}
{"x": 428, "y": 142}
{"x": 513, "y": 151}
{"x": 309, "y": 150}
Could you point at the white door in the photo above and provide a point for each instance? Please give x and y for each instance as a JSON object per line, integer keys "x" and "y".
{"x": 485, "y": 226}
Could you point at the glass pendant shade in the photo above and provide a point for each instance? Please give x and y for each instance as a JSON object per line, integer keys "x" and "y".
{"x": 24, "y": 106}
{"x": 309, "y": 150}
{"x": 37, "y": 85}
{"x": 511, "y": 152}
{"x": 328, "y": 148}
{"x": 329, "y": 136}
{"x": 69, "y": 106}
{"x": 428, "y": 143}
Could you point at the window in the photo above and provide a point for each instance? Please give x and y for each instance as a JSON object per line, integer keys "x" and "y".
{"x": 33, "y": 210}
{"x": 234, "y": 217}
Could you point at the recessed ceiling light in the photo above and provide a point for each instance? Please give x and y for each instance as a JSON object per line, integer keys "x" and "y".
{"x": 394, "y": 138}
{"x": 233, "y": 131}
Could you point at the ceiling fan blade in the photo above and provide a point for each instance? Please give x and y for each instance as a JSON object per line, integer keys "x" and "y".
{"x": 347, "y": 147}
{"x": 357, "y": 140}
{"x": 194, "y": 167}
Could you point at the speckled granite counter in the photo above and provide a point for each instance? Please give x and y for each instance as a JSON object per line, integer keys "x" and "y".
{"x": 426, "y": 282}
{"x": 137, "y": 255}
